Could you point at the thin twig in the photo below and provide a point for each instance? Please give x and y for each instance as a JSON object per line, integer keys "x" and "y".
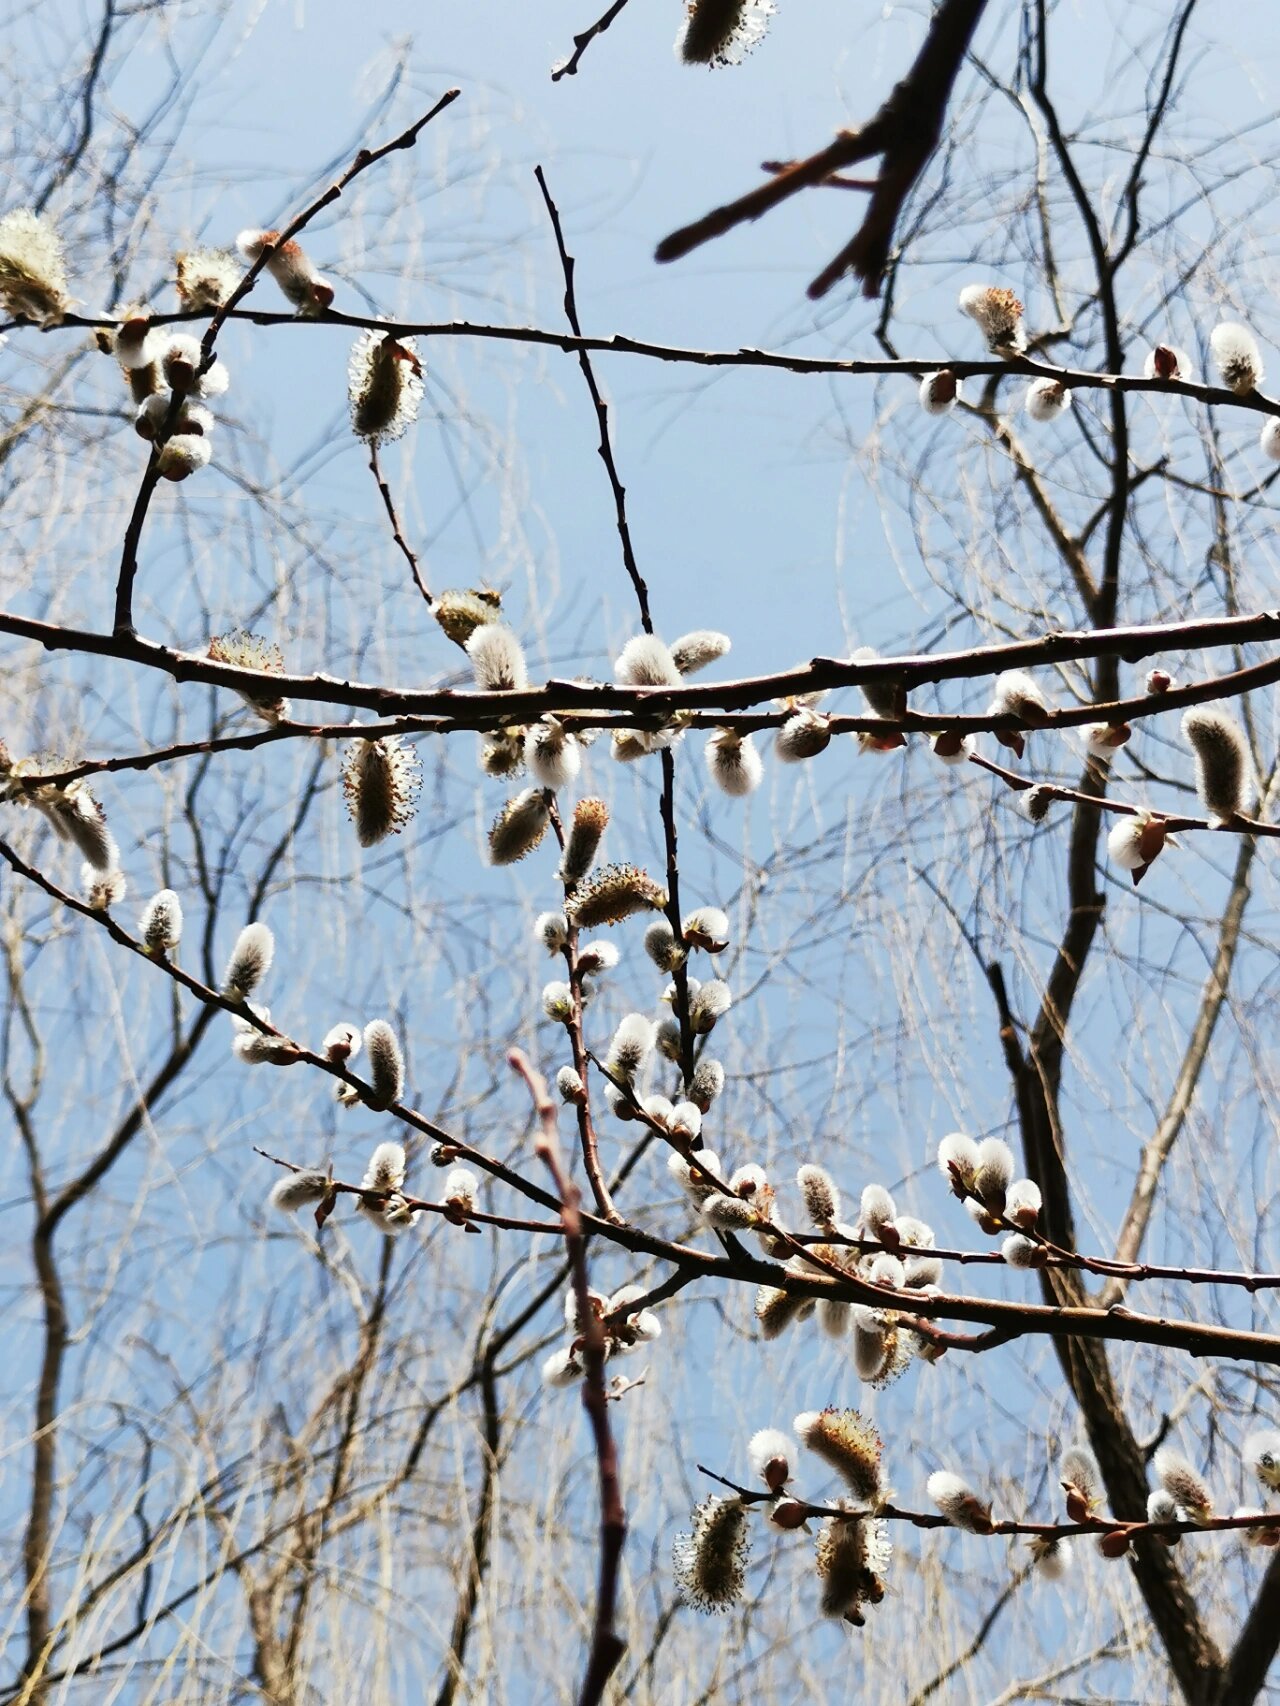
{"x": 607, "y": 1646}
{"x": 569, "y": 67}
{"x": 602, "y": 412}
{"x": 396, "y": 532}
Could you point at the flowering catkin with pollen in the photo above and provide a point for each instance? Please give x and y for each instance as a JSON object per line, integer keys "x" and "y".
{"x": 381, "y": 780}
{"x": 848, "y": 1444}
{"x": 716, "y": 33}
{"x": 243, "y": 650}
{"x": 33, "y": 278}
{"x": 386, "y": 1063}
{"x": 613, "y": 893}
{"x": 384, "y": 386}
{"x": 519, "y": 827}
{"x": 590, "y": 820}
{"x": 710, "y": 1561}
{"x": 206, "y": 278}
{"x": 999, "y": 316}
{"x": 1222, "y": 760}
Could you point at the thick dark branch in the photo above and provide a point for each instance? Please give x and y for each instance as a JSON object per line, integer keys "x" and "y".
{"x": 904, "y": 133}
{"x": 470, "y": 709}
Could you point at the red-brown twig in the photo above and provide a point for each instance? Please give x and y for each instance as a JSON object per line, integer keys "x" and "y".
{"x": 607, "y": 1646}
{"x": 1135, "y": 1529}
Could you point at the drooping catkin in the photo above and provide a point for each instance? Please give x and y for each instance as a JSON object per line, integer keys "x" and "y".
{"x": 710, "y": 1560}
{"x": 384, "y": 387}
{"x": 519, "y": 827}
{"x": 590, "y": 820}
{"x": 381, "y": 780}
{"x": 1222, "y": 760}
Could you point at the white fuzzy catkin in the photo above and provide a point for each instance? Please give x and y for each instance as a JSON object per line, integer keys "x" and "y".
{"x": 707, "y": 927}
{"x": 569, "y": 1085}
{"x": 291, "y": 268}
{"x": 707, "y": 1083}
{"x": 1167, "y": 361}
{"x": 958, "y": 1160}
{"x": 341, "y": 1043}
{"x": 870, "y": 1343}
{"x": 1016, "y": 694}
{"x": 1184, "y": 1484}
{"x": 1261, "y": 1452}
{"x": 694, "y": 651}
{"x": 953, "y": 749}
{"x": 995, "y": 1172}
{"x": 386, "y": 1169}
{"x": 596, "y": 958}
{"x": 1033, "y": 803}
{"x": 552, "y": 754}
{"x": 557, "y": 1001}
{"x": 646, "y": 662}
{"x": 161, "y": 923}
{"x": 1222, "y": 760}
{"x": 821, "y": 1197}
{"x": 940, "y": 392}
{"x": 460, "y": 1189}
{"x": 1125, "y": 843}
{"x": 1020, "y": 1252}
{"x": 804, "y": 735}
{"x": 998, "y": 313}
{"x": 249, "y": 963}
{"x": 876, "y": 1210}
{"x": 1236, "y": 356}
{"x": 552, "y": 930}
{"x": 769, "y": 1452}
{"x": 497, "y": 659}
{"x": 386, "y": 1063}
{"x": 1269, "y": 441}
{"x": 712, "y": 1001}
{"x": 735, "y": 765}
{"x": 1046, "y": 399}
{"x": 183, "y": 455}
{"x": 958, "y": 1502}
{"x": 661, "y": 946}
{"x": 1022, "y": 1202}
{"x": 632, "y": 1043}
{"x": 298, "y": 1190}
